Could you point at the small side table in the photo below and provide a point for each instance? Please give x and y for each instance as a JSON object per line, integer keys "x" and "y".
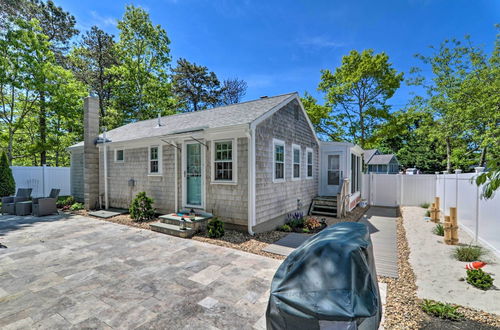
{"x": 23, "y": 208}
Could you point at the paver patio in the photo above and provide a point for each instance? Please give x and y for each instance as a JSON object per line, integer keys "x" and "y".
{"x": 77, "y": 272}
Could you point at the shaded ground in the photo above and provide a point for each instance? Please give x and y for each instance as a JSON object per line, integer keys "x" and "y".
{"x": 79, "y": 272}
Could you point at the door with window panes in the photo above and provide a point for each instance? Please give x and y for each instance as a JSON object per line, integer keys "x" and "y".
{"x": 331, "y": 174}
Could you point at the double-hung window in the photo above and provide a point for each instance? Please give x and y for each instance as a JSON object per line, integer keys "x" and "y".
{"x": 278, "y": 160}
{"x": 223, "y": 161}
{"x": 296, "y": 161}
{"x": 154, "y": 160}
{"x": 309, "y": 160}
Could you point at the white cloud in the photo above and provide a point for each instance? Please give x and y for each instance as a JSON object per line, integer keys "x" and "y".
{"x": 102, "y": 21}
{"x": 320, "y": 42}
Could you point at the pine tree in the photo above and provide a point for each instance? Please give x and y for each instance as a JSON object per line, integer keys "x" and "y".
{"x": 7, "y": 183}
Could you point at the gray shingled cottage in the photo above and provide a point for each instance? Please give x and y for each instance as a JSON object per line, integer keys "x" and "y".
{"x": 249, "y": 163}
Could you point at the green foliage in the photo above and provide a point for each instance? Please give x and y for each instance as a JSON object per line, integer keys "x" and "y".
{"x": 7, "y": 183}
{"x": 195, "y": 86}
{"x": 468, "y": 253}
{"x": 479, "y": 279}
{"x": 141, "y": 208}
{"x": 490, "y": 180}
{"x": 358, "y": 91}
{"x": 438, "y": 230}
{"x": 285, "y": 228}
{"x": 425, "y": 205}
{"x": 63, "y": 201}
{"x": 441, "y": 310}
{"x": 427, "y": 213}
{"x": 325, "y": 124}
{"x": 76, "y": 207}
{"x": 306, "y": 230}
{"x": 215, "y": 228}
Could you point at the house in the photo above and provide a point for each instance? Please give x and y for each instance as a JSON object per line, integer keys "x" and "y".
{"x": 376, "y": 162}
{"x": 250, "y": 163}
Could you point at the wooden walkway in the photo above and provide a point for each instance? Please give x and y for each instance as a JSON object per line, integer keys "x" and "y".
{"x": 381, "y": 222}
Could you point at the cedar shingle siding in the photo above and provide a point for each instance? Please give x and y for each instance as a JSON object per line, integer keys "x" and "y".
{"x": 76, "y": 174}
{"x": 276, "y": 199}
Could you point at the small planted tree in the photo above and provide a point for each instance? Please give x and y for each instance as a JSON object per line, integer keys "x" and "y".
{"x": 7, "y": 183}
{"x": 141, "y": 208}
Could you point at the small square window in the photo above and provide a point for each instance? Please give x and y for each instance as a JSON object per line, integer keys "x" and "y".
{"x": 120, "y": 157}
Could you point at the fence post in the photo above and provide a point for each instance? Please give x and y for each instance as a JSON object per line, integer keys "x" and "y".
{"x": 44, "y": 179}
{"x": 444, "y": 192}
{"x": 401, "y": 189}
{"x": 476, "y": 236}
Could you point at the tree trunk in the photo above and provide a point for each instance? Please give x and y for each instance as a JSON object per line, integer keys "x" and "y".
{"x": 42, "y": 122}
{"x": 482, "y": 160}
{"x": 9, "y": 147}
{"x": 448, "y": 154}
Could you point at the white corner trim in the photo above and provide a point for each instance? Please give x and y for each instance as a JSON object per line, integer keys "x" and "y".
{"x": 296, "y": 147}
{"x": 309, "y": 150}
{"x": 279, "y": 143}
{"x": 234, "y": 160}
{"x": 251, "y": 180}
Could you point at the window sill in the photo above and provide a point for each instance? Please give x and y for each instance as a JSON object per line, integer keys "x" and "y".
{"x": 155, "y": 174}
{"x": 296, "y": 179}
{"x": 309, "y": 177}
{"x": 230, "y": 183}
{"x": 278, "y": 180}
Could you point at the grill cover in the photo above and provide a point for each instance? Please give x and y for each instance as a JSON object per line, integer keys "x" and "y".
{"x": 329, "y": 282}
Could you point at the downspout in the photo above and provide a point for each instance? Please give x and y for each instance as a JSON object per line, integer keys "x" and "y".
{"x": 176, "y": 191}
{"x": 251, "y": 179}
{"x": 105, "y": 170}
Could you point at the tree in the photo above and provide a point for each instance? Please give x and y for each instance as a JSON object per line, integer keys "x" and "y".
{"x": 320, "y": 117}
{"x": 7, "y": 183}
{"x": 91, "y": 62}
{"x": 232, "y": 91}
{"x": 142, "y": 87}
{"x": 358, "y": 91}
{"x": 195, "y": 87}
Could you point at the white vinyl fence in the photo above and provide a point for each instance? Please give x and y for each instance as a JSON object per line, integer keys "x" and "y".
{"x": 42, "y": 179}
{"x": 479, "y": 217}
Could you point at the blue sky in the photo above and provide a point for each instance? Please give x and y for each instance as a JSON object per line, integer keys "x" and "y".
{"x": 281, "y": 46}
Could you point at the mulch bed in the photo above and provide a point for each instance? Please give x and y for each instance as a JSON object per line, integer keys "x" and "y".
{"x": 123, "y": 219}
{"x": 402, "y": 309}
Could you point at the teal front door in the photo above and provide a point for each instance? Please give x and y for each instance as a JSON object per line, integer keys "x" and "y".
{"x": 194, "y": 171}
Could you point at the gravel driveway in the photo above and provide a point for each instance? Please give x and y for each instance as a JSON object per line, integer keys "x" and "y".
{"x": 78, "y": 272}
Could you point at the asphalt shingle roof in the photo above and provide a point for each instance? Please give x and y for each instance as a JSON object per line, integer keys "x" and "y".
{"x": 380, "y": 159}
{"x": 229, "y": 115}
{"x": 368, "y": 154}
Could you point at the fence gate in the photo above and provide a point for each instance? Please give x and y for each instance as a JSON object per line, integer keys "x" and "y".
{"x": 385, "y": 189}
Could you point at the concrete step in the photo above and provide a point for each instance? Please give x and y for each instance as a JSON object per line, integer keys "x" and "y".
{"x": 172, "y": 230}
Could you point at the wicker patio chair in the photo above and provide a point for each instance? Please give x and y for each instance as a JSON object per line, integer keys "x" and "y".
{"x": 9, "y": 203}
{"x": 46, "y": 205}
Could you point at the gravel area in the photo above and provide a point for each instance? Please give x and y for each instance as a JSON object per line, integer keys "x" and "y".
{"x": 123, "y": 219}
{"x": 403, "y": 306}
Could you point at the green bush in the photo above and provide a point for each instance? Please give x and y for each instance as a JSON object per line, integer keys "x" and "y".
{"x": 215, "y": 228}
{"x": 285, "y": 227}
{"x": 438, "y": 230}
{"x": 479, "y": 279}
{"x": 305, "y": 230}
{"x": 7, "y": 183}
{"x": 141, "y": 208}
{"x": 441, "y": 310}
{"x": 76, "y": 207}
{"x": 468, "y": 253}
{"x": 427, "y": 213}
{"x": 65, "y": 201}
{"x": 425, "y": 205}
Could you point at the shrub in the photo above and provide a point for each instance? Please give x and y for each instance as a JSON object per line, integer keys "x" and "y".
{"x": 305, "y": 230}
{"x": 141, "y": 208}
{"x": 479, "y": 279}
{"x": 438, "y": 230}
{"x": 441, "y": 310}
{"x": 215, "y": 228}
{"x": 468, "y": 253}
{"x": 65, "y": 201}
{"x": 427, "y": 213}
{"x": 312, "y": 223}
{"x": 425, "y": 205}
{"x": 76, "y": 207}
{"x": 7, "y": 183}
{"x": 295, "y": 219}
{"x": 285, "y": 227}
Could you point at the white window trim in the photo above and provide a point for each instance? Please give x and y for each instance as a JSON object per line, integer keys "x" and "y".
{"x": 280, "y": 143}
{"x": 234, "y": 160}
{"x": 160, "y": 165}
{"x": 309, "y": 150}
{"x": 116, "y": 154}
{"x": 296, "y": 147}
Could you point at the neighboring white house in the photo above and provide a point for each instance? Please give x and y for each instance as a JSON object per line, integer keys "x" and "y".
{"x": 376, "y": 162}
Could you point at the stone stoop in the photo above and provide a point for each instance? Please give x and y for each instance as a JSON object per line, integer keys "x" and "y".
{"x": 324, "y": 206}
{"x": 198, "y": 225}
{"x": 173, "y": 230}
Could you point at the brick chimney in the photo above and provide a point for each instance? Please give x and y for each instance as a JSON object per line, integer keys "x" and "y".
{"x": 90, "y": 152}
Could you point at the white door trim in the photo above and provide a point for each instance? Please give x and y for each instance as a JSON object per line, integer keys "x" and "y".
{"x": 324, "y": 170}
{"x": 184, "y": 175}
